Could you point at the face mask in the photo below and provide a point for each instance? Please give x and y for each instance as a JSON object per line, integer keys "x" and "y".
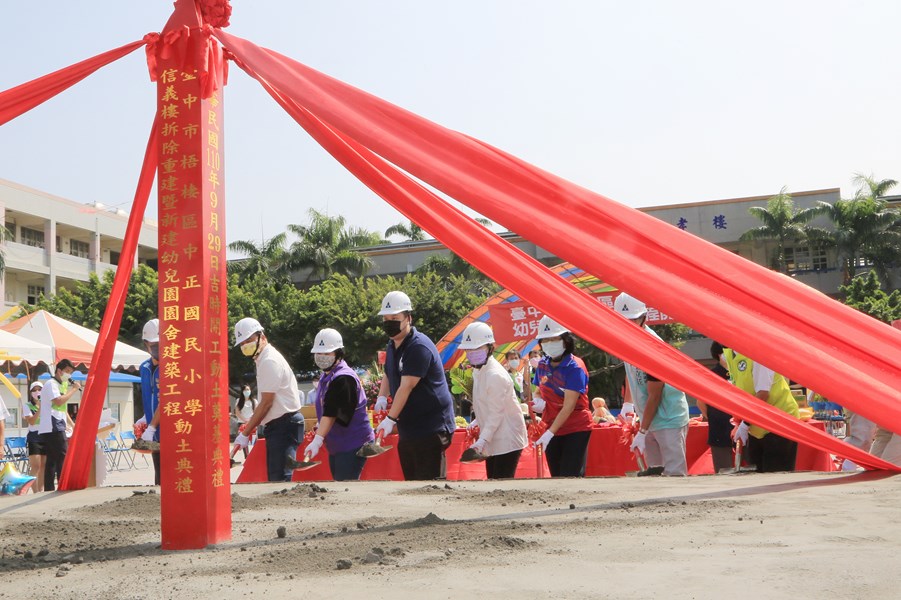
{"x": 315, "y": 384}
{"x": 154, "y": 351}
{"x": 65, "y": 377}
{"x": 391, "y": 328}
{"x": 477, "y": 358}
{"x": 247, "y": 393}
{"x": 248, "y": 350}
{"x": 554, "y": 349}
{"x": 514, "y": 364}
{"x": 533, "y": 362}
{"x": 36, "y": 394}
{"x": 324, "y": 361}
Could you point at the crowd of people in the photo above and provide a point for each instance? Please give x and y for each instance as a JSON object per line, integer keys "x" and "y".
{"x": 549, "y": 389}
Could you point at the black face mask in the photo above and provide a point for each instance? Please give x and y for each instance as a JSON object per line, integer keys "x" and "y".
{"x": 391, "y": 328}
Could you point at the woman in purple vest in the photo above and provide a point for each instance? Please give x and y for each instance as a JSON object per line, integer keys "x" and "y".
{"x": 340, "y": 409}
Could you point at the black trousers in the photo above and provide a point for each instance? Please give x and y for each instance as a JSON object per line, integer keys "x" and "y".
{"x": 156, "y": 466}
{"x": 55, "y": 447}
{"x": 772, "y": 453}
{"x": 423, "y": 459}
{"x": 502, "y": 466}
{"x": 567, "y": 454}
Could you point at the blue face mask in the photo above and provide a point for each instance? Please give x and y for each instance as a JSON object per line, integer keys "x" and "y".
{"x": 477, "y": 357}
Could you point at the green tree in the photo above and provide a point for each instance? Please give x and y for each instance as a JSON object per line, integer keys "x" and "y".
{"x": 782, "y": 223}
{"x": 270, "y": 256}
{"x": 86, "y": 303}
{"x": 865, "y": 229}
{"x": 326, "y": 245}
{"x": 410, "y": 231}
{"x": 865, "y": 294}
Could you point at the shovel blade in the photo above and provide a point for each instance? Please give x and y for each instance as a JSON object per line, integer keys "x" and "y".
{"x": 302, "y": 465}
{"x": 372, "y": 449}
{"x": 472, "y": 456}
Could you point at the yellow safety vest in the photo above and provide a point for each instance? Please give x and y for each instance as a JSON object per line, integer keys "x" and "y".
{"x": 741, "y": 369}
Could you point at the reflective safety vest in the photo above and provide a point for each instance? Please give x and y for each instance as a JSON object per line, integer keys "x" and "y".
{"x": 741, "y": 370}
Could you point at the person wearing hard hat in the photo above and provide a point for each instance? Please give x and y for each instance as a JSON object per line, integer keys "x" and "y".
{"x": 343, "y": 423}
{"x": 562, "y": 381}
{"x": 150, "y": 394}
{"x": 502, "y": 429}
{"x": 662, "y": 409}
{"x": 278, "y": 401}
{"x": 423, "y": 408}
{"x": 768, "y": 451}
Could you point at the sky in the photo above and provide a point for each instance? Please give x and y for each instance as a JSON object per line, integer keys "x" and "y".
{"x": 648, "y": 103}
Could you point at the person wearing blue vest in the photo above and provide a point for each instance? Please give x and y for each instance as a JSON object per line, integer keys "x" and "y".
{"x": 343, "y": 423}
{"x": 150, "y": 394}
{"x": 423, "y": 408}
{"x": 662, "y": 409}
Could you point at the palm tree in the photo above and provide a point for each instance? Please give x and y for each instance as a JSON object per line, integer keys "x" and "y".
{"x": 410, "y": 231}
{"x": 781, "y": 222}
{"x": 328, "y": 246}
{"x": 269, "y": 256}
{"x": 866, "y": 230}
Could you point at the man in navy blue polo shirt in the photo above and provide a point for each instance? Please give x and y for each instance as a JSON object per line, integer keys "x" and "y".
{"x": 423, "y": 408}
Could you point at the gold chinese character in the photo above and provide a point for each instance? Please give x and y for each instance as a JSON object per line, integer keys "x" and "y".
{"x": 172, "y": 391}
{"x": 170, "y": 294}
{"x": 215, "y": 368}
{"x": 169, "y": 238}
{"x": 193, "y": 376}
{"x": 212, "y": 119}
{"x": 213, "y": 139}
{"x": 167, "y": 184}
{"x": 190, "y": 131}
{"x": 214, "y": 221}
{"x": 214, "y": 262}
{"x": 191, "y": 345}
{"x": 212, "y": 159}
{"x": 189, "y": 221}
{"x": 169, "y": 201}
{"x": 183, "y": 485}
{"x": 188, "y": 161}
{"x": 215, "y": 325}
{"x": 170, "y": 219}
{"x": 217, "y": 455}
{"x": 214, "y": 283}
{"x": 172, "y": 370}
{"x": 168, "y": 76}
{"x": 170, "y": 129}
{"x": 169, "y": 257}
{"x": 169, "y": 165}
{"x": 213, "y": 178}
{"x": 184, "y": 464}
{"x": 170, "y": 313}
{"x": 172, "y": 408}
{"x": 217, "y": 478}
{"x": 169, "y": 111}
{"x": 193, "y": 406}
{"x": 188, "y": 76}
{"x": 183, "y": 427}
{"x": 170, "y": 276}
{"x": 183, "y": 446}
{"x": 214, "y": 199}
{"x": 171, "y": 332}
{"x": 189, "y": 191}
{"x": 171, "y": 351}
{"x": 190, "y": 250}
{"x": 189, "y": 100}
{"x": 192, "y": 313}
{"x": 191, "y": 282}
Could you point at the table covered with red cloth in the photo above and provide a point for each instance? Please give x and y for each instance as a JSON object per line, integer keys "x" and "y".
{"x": 607, "y": 456}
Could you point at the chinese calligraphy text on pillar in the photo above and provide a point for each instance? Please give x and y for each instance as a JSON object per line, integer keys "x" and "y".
{"x": 195, "y": 502}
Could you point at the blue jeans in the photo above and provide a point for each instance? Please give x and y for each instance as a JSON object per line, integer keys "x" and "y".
{"x": 283, "y": 436}
{"x": 346, "y": 466}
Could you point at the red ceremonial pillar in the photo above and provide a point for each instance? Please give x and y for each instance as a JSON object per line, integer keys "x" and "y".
{"x": 195, "y": 501}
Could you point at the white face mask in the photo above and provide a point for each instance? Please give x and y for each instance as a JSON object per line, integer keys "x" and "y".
{"x": 65, "y": 377}
{"x": 514, "y": 363}
{"x": 554, "y": 349}
{"x": 324, "y": 361}
{"x": 533, "y": 362}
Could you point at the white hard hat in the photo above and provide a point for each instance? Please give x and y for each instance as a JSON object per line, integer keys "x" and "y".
{"x": 476, "y": 335}
{"x": 151, "y": 331}
{"x": 245, "y": 328}
{"x": 629, "y": 307}
{"x": 395, "y": 302}
{"x": 327, "y": 340}
{"x": 548, "y": 328}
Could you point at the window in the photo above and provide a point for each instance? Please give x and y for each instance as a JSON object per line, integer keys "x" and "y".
{"x": 32, "y": 237}
{"x": 114, "y": 257}
{"x": 34, "y": 292}
{"x": 805, "y": 258}
{"x": 78, "y": 248}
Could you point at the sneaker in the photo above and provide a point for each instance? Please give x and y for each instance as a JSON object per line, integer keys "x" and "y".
{"x": 651, "y": 472}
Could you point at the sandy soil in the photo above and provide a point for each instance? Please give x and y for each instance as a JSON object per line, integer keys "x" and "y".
{"x": 799, "y": 535}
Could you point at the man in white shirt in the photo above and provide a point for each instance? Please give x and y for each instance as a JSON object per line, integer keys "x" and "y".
{"x": 278, "y": 401}
{"x": 52, "y": 430}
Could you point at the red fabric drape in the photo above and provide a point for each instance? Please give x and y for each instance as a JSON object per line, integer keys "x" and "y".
{"x": 510, "y": 267}
{"x": 76, "y": 469}
{"x": 850, "y": 358}
{"x": 22, "y": 98}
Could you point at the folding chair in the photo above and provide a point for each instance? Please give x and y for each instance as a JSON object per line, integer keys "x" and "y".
{"x": 112, "y": 450}
{"x": 835, "y": 419}
{"x": 17, "y": 452}
{"x": 128, "y": 439}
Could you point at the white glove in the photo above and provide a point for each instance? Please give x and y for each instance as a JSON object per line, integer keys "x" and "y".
{"x": 381, "y": 403}
{"x": 627, "y": 409}
{"x": 741, "y": 433}
{"x": 242, "y": 440}
{"x": 538, "y": 404}
{"x": 141, "y": 421}
{"x": 314, "y": 446}
{"x": 638, "y": 442}
{"x": 147, "y": 436}
{"x": 479, "y": 444}
{"x": 544, "y": 440}
{"x": 473, "y": 424}
{"x": 386, "y": 427}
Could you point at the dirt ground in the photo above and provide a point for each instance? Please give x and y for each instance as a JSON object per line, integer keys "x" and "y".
{"x": 799, "y": 535}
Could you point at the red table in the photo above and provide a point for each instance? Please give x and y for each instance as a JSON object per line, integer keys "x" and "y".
{"x": 607, "y": 456}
